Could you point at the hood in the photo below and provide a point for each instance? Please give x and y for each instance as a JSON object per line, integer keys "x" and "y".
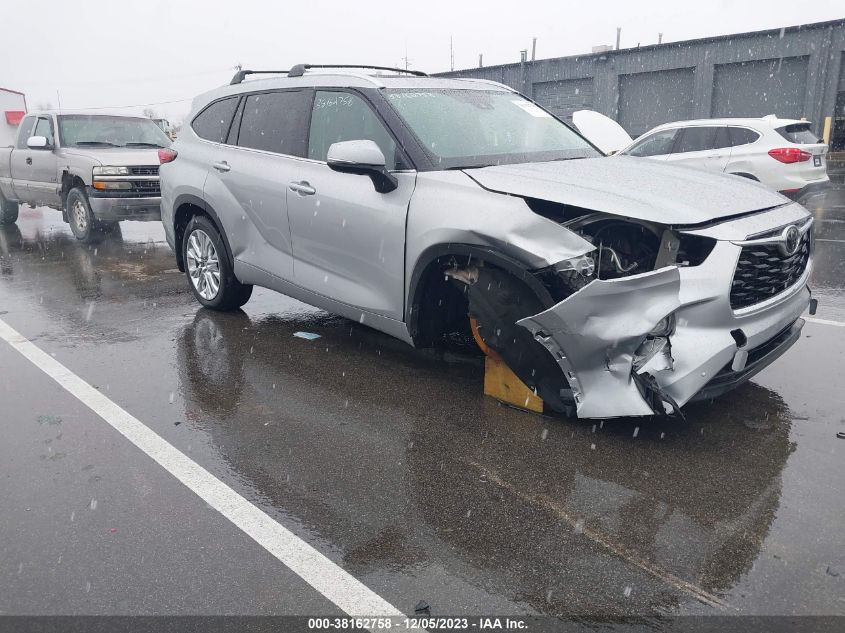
{"x": 601, "y": 131}
{"x": 632, "y": 187}
{"x": 119, "y": 156}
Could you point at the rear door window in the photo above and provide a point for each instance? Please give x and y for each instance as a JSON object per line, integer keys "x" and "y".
{"x": 742, "y": 136}
{"x": 696, "y": 139}
{"x": 276, "y": 122}
{"x": 657, "y": 144}
{"x": 212, "y": 124}
{"x": 343, "y": 116}
{"x": 798, "y": 133}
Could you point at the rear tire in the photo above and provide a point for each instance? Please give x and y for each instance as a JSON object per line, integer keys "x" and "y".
{"x": 83, "y": 224}
{"x": 8, "y": 211}
{"x": 210, "y": 273}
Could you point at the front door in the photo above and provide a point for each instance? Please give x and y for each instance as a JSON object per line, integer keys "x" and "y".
{"x": 43, "y": 183}
{"x": 349, "y": 239}
{"x": 21, "y": 161}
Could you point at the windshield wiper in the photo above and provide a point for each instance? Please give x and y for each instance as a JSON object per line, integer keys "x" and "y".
{"x": 97, "y": 143}
{"x": 144, "y": 145}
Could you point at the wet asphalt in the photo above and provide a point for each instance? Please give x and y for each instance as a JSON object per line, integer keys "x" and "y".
{"x": 390, "y": 461}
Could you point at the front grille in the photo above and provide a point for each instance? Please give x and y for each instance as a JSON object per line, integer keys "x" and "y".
{"x": 146, "y": 187}
{"x": 763, "y": 272}
{"x": 151, "y": 170}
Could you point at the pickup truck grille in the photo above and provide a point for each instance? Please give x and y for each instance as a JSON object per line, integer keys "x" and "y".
{"x": 763, "y": 272}
{"x": 151, "y": 170}
{"x": 146, "y": 187}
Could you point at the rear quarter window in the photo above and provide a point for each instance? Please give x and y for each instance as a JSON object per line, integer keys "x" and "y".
{"x": 212, "y": 124}
{"x": 798, "y": 133}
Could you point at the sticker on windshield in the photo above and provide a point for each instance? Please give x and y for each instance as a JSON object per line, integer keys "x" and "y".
{"x": 531, "y": 108}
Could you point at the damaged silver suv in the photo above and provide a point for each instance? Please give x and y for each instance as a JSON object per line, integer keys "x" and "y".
{"x": 416, "y": 205}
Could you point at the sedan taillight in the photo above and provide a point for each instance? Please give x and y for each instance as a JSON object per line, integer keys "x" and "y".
{"x": 166, "y": 155}
{"x": 790, "y": 155}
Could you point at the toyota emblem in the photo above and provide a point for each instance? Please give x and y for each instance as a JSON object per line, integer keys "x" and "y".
{"x": 790, "y": 240}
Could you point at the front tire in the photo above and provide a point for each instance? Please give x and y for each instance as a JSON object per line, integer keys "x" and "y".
{"x": 8, "y": 211}
{"x": 82, "y": 222}
{"x": 209, "y": 271}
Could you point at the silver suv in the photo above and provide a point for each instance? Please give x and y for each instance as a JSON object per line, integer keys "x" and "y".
{"x": 433, "y": 208}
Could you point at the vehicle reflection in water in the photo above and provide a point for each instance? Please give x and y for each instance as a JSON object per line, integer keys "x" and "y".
{"x": 397, "y": 460}
{"x": 828, "y": 276}
{"x": 72, "y": 281}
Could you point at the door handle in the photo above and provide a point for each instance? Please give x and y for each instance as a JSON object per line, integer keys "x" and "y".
{"x": 29, "y": 160}
{"x": 221, "y": 166}
{"x": 303, "y": 188}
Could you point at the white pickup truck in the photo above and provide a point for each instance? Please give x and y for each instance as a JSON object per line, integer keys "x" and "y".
{"x": 97, "y": 169}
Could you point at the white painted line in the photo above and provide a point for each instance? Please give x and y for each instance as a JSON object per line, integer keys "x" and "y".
{"x": 824, "y": 321}
{"x": 331, "y": 581}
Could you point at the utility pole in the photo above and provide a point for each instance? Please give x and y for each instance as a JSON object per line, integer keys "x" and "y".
{"x": 451, "y": 53}
{"x": 618, "y": 35}
{"x": 533, "y": 49}
{"x": 406, "y": 60}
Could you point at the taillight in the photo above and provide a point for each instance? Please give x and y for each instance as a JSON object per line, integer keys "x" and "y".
{"x": 166, "y": 155}
{"x": 789, "y": 154}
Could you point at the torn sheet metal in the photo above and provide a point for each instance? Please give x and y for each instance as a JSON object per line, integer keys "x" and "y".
{"x": 594, "y": 334}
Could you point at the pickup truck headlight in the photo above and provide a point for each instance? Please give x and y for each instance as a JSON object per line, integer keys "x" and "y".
{"x": 109, "y": 170}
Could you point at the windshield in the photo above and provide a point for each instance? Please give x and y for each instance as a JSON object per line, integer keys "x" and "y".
{"x": 110, "y": 131}
{"x": 475, "y": 128}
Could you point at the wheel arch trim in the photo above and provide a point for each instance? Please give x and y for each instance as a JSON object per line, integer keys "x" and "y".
{"x": 186, "y": 199}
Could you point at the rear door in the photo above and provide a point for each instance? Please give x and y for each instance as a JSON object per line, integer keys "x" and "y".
{"x": 349, "y": 239}
{"x": 702, "y": 146}
{"x": 250, "y": 172}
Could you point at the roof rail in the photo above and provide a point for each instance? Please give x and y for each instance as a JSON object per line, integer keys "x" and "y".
{"x": 299, "y": 69}
{"x": 241, "y": 74}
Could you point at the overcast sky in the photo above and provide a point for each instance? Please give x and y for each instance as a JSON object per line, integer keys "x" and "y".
{"x": 106, "y": 54}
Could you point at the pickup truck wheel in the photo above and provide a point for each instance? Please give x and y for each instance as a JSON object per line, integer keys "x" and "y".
{"x": 79, "y": 215}
{"x": 209, "y": 271}
{"x": 8, "y": 211}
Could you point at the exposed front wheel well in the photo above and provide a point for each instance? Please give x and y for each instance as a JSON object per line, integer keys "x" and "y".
{"x": 455, "y": 288}
{"x": 438, "y": 306}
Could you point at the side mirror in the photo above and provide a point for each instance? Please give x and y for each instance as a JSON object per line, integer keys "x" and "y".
{"x": 37, "y": 142}
{"x": 364, "y": 158}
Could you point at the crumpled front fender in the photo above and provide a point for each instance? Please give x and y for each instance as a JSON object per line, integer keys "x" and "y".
{"x": 594, "y": 333}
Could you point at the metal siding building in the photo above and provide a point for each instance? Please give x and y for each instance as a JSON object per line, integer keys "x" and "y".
{"x": 792, "y": 72}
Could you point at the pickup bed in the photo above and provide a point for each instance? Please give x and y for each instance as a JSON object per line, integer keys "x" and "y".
{"x": 96, "y": 169}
